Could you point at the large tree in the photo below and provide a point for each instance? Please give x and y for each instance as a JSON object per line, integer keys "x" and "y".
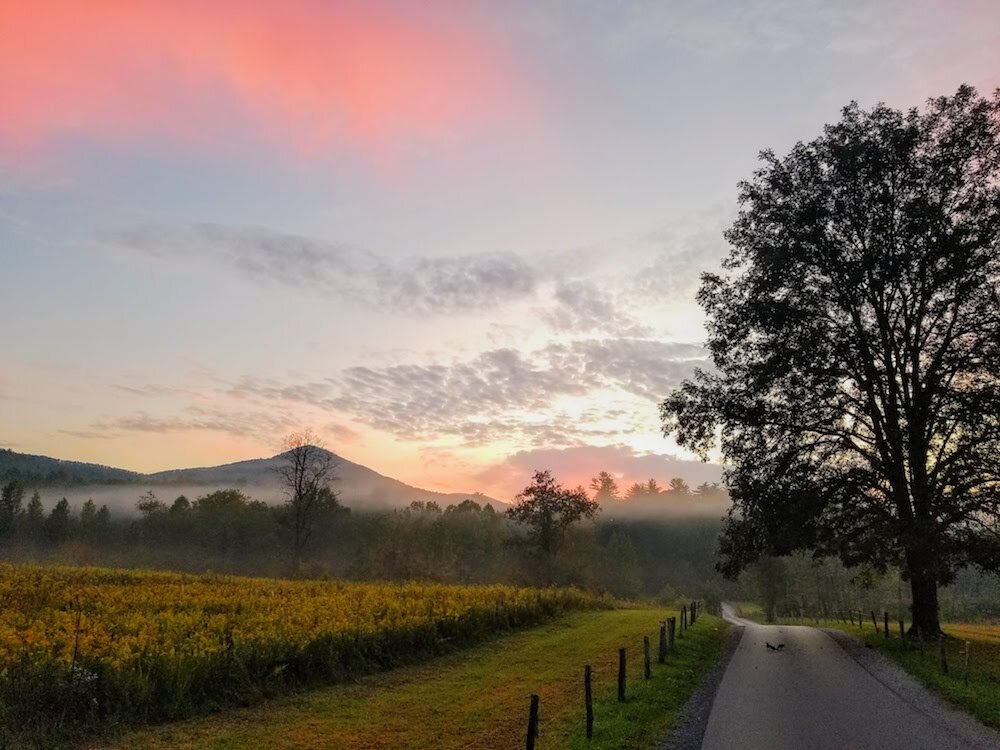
{"x": 549, "y": 510}
{"x": 855, "y": 333}
{"x": 605, "y": 488}
{"x": 305, "y": 470}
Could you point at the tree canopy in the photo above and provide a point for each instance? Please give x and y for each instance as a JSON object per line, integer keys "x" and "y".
{"x": 855, "y": 334}
{"x": 549, "y": 510}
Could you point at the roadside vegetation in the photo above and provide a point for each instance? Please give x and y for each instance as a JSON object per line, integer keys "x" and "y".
{"x": 479, "y": 698}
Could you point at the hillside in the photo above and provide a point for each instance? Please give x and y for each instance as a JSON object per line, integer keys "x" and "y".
{"x": 357, "y": 484}
{"x": 44, "y": 471}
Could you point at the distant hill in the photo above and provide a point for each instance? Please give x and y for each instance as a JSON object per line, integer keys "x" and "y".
{"x": 358, "y": 485}
{"x": 45, "y": 471}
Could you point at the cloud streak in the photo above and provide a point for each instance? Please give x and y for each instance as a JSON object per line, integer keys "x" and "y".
{"x": 566, "y": 394}
{"x": 584, "y": 306}
{"x": 416, "y": 285}
{"x": 504, "y": 394}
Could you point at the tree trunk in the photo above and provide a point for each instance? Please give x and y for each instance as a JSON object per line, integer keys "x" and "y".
{"x": 923, "y": 588}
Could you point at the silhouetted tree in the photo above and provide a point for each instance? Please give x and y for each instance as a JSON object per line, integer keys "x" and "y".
{"x": 635, "y": 492}
{"x": 11, "y": 497}
{"x": 57, "y": 525}
{"x": 549, "y": 510}
{"x": 305, "y": 470}
{"x": 466, "y": 506}
{"x": 149, "y": 505}
{"x": 855, "y": 334}
{"x": 605, "y": 488}
{"x": 679, "y": 487}
{"x": 228, "y": 521}
{"x": 88, "y": 520}
{"x": 180, "y": 506}
{"x": 34, "y": 516}
{"x": 102, "y": 524}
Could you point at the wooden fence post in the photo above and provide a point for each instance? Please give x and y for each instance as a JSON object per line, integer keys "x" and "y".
{"x": 588, "y": 700}
{"x": 532, "y": 723}
{"x": 684, "y": 619}
{"x": 885, "y": 623}
{"x": 902, "y": 631}
{"x": 621, "y": 675}
{"x": 965, "y": 672}
{"x": 874, "y": 621}
{"x": 671, "y": 631}
{"x": 645, "y": 651}
{"x": 662, "y": 656}
{"x": 861, "y": 621}
{"x": 851, "y": 615}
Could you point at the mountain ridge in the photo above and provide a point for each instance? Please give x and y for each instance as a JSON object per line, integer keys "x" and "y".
{"x": 355, "y": 482}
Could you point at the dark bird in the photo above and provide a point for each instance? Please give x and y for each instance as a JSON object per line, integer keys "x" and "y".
{"x": 781, "y": 646}
{"x": 770, "y": 646}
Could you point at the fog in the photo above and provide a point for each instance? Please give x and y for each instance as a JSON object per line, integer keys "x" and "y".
{"x": 121, "y": 499}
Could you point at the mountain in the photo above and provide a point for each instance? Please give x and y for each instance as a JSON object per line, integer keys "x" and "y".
{"x": 358, "y": 485}
{"x": 45, "y": 471}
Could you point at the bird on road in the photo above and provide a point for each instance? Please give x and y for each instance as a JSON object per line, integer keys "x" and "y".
{"x": 774, "y": 648}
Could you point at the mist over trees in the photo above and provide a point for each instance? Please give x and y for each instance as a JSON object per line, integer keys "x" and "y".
{"x": 855, "y": 333}
{"x": 557, "y": 537}
{"x": 667, "y": 557}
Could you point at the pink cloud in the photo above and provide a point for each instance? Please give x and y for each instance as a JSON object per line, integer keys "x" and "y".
{"x": 312, "y": 76}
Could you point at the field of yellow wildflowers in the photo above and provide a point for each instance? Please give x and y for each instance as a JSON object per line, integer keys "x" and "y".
{"x": 82, "y": 648}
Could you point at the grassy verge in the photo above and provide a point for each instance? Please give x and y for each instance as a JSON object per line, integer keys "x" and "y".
{"x": 479, "y": 698}
{"x": 978, "y": 692}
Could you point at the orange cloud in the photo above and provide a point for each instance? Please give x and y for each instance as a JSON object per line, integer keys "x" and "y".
{"x": 309, "y": 75}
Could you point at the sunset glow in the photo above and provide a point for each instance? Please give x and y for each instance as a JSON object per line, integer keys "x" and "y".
{"x": 461, "y": 241}
{"x": 307, "y": 76}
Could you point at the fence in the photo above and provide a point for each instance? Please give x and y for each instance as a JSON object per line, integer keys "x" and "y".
{"x": 670, "y": 631}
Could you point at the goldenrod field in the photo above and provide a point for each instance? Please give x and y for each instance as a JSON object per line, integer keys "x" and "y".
{"x": 83, "y": 648}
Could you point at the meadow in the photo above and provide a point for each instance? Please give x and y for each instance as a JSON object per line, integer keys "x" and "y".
{"x": 83, "y": 649}
{"x": 477, "y": 699}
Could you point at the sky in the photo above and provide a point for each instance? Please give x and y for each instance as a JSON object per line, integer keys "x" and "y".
{"x": 460, "y": 241}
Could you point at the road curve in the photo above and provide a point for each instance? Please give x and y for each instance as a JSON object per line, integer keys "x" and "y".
{"x": 811, "y": 694}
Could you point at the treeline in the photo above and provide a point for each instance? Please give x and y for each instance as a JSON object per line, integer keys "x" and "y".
{"x": 799, "y": 586}
{"x": 469, "y": 542}
{"x": 28, "y": 470}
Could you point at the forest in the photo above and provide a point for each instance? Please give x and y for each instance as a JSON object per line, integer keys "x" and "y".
{"x": 621, "y": 551}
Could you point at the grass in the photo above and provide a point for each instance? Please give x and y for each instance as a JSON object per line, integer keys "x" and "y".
{"x": 479, "y": 698}
{"x": 980, "y": 697}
